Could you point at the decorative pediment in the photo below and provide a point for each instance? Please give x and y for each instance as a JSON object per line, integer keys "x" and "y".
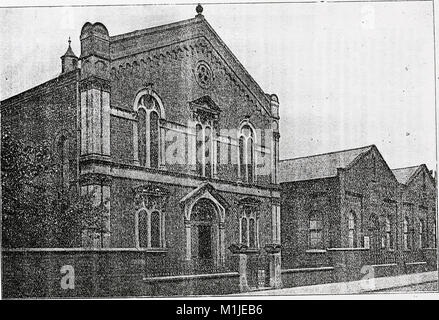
{"x": 202, "y": 191}
{"x": 204, "y": 109}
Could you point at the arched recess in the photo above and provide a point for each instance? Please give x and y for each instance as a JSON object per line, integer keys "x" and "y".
{"x": 61, "y": 150}
{"x": 375, "y": 232}
{"x": 148, "y": 134}
{"x": 247, "y": 151}
{"x": 150, "y": 216}
{"x": 204, "y": 202}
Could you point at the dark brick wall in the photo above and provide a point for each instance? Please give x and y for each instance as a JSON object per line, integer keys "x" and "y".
{"x": 44, "y": 113}
{"x": 369, "y": 194}
{"x": 171, "y": 72}
{"x": 121, "y": 133}
{"x": 123, "y": 215}
{"x": 423, "y": 201}
{"x": 298, "y": 200}
{"x": 369, "y": 189}
{"x": 100, "y": 274}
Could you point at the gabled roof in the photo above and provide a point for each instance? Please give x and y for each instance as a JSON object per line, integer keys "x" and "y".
{"x": 403, "y": 175}
{"x": 407, "y": 174}
{"x": 177, "y": 32}
{"x": 319, "y": 166}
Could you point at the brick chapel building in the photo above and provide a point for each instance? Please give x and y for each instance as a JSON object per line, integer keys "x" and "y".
{"x": 418, "y": 197}
{"x": 167, "y": 125}
{"x": 352, "y": 200}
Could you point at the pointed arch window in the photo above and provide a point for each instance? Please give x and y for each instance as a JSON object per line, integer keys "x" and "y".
{"x": 405, "y": 234}
{"x": 388, "y": 233}
{"x": 421, "y": 233}
{"x": 249, "y": 227}
{"x": 246, "y": 154}
{"x": 143, "y": 226}
{"x": 315, "y": 230}
{"x": 352, "y": 230}
{"x": 148, "y": 130}
{"x": 244, "y": 233}
{"x": 155, "y": 229}
{"x": 63, "y": 162}
{"x": 204, "y": 145}
{"x": 148, "y": 229}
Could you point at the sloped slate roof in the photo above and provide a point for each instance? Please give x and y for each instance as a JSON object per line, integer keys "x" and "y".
{"x": 403, "y": 175}
{"x": 318, "y": 166}
{"x": 69, "y": 53}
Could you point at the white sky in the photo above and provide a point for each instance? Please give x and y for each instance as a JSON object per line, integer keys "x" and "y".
{"x": 347, "y": 74}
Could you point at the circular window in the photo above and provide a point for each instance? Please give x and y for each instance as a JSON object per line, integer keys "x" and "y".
{"x": 203, "y": 74}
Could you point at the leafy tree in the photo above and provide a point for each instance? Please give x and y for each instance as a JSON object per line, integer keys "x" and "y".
{"x": 36, "y": 210}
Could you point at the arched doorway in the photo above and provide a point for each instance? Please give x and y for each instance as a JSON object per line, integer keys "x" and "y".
{"x": 204, "y": 232}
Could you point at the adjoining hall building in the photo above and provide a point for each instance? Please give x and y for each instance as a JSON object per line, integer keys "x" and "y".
{"x": 418, "y": 213}
{"x": 351, "y": 200}
{"x": 168, "y": 125}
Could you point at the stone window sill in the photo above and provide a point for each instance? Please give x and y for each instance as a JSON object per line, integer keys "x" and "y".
{"x": 315, "y": 251}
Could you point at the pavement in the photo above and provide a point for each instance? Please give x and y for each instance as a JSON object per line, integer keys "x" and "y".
{"x": 353, "y": 287}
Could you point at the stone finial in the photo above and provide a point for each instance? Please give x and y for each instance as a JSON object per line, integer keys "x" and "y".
{"x": 199, "y": 10}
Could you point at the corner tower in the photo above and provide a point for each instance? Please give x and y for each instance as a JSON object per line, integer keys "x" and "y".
{"x": 94, "y": 88}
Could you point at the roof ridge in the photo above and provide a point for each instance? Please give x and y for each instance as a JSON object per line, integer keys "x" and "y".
{"x": 140, "y": 32}
{"x": 326, "y": 153}
{"x": 409, "y": 167}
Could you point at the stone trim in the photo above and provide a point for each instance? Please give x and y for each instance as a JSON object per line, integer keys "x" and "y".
{"x": 307, "y": 269}
{"x": 78, "y": 249}
{"x": 347, "y": 249}
{"x": 416, "y": 263}
{"x": 94, "y": 82}
{"x": 192, "y": 277}
{"x": 95, "y": 178}
{"x": 132, "y": 172}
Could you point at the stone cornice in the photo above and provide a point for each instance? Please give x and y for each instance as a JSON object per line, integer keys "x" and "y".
{"x": 133, "y": 172}
{"x": 94, "y": 82}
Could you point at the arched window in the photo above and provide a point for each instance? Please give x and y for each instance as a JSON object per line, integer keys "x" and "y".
{"x": 252, "y": 233}
{"x": 208, "y": 152}
{"x": 244, "y": 237}
{"x": 141, "y": 127}
{"x": 315, "y": 230}
{"x": 204, "y": 150}
{"x": 374, "y": 230}
{"x": 249, "y": 227}
{"x": 246, "y": 154}
{"x": 199, "y": 149}
{"x": 148, "y": 229}
{"x": 143, "y": 226}
{"x": 421, "y": 233}
{"x": 63, "y": 162}
{"x": 406, "y": 234}
{"x": 155, "y": 229}
{"x": 352, "y": 230}
{"x": 154, "y": 139}
{"x": 148, "y": 131}
{"x": 388, "y": 230}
